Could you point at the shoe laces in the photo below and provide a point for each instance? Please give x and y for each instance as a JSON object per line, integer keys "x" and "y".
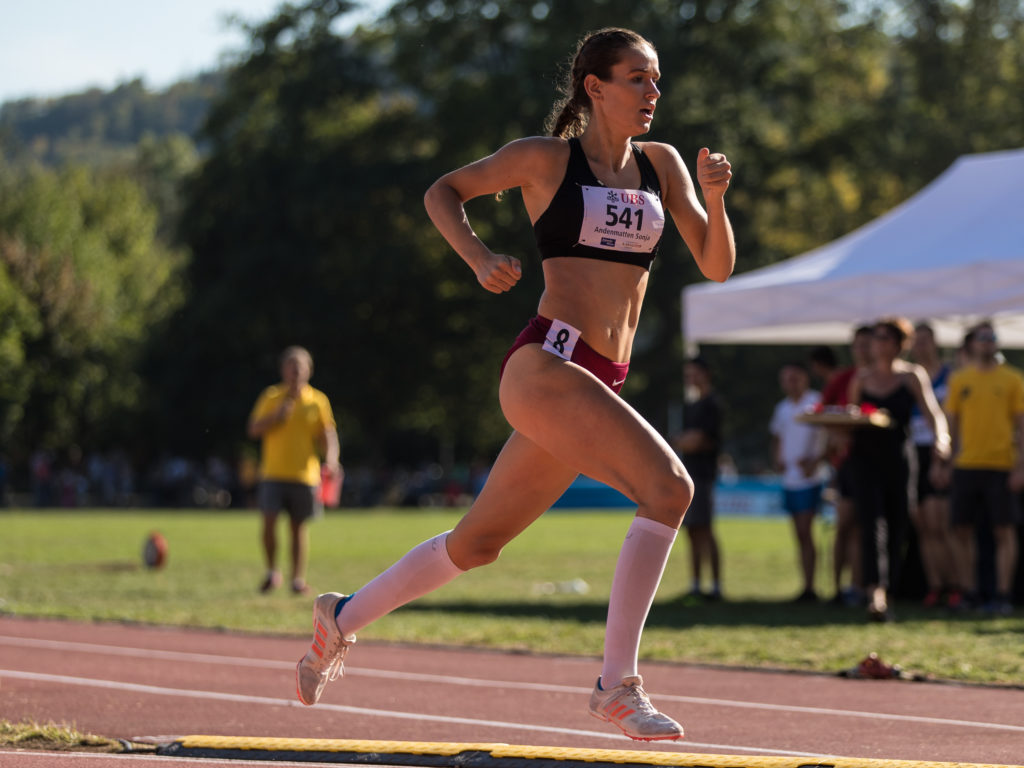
{"x": 336, "y": 652}
{"x": 641, "y": 701}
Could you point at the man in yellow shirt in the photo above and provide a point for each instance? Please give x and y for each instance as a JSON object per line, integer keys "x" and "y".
{"x": 985, "y": 405}
{"x": 296, "y": 426}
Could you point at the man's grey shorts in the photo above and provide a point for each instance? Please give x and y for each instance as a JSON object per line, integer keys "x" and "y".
{"x": 300, "y": 501}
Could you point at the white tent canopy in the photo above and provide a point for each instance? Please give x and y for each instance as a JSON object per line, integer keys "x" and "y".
{"x": 951, "y": 254}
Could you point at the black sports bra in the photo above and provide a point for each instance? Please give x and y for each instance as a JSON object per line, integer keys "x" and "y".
{"x": 591, "y": 221}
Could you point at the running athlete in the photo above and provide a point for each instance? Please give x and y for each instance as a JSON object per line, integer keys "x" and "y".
{"x": 598, "y": 206}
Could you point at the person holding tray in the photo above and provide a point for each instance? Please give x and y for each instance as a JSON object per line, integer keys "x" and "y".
{"x": 879, "y": 457}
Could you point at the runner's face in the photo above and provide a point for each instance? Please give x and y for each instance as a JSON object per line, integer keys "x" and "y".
{"x": 631, "y": 92}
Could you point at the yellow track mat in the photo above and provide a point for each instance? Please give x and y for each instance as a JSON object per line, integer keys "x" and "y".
{"x": 449, "y": 755}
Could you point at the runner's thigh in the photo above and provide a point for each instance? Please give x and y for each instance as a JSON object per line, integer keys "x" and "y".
{"x": 524, "y": 482}
{"x": 568, "y": 412}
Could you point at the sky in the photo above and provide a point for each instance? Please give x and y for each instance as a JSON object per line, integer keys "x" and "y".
{"x": 59, "y": 47}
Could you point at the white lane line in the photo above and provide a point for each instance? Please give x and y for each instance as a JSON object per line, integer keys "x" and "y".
{"x": 206, "y": 658}
{"x": 239, "y": 698}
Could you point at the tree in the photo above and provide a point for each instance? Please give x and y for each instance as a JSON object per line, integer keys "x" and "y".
{"x": 306, "y": 224}
{"x": 161, "y": 165}
{"x": 86, "y": 282}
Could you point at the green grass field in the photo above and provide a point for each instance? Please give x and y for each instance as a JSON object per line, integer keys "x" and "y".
{"x": 87, "y": 565}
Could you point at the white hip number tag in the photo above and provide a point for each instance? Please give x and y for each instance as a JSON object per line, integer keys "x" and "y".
{"x": 561, "y": 339}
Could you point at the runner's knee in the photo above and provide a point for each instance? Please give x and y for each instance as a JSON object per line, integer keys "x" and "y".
{"x": 475, "y": 552}
{"x": 668, "y": 498}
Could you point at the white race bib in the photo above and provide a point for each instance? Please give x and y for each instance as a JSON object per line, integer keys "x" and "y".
{"x": 621, "y": 219}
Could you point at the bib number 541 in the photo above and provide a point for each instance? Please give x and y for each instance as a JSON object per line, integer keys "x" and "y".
{"x": 625, "y": 217}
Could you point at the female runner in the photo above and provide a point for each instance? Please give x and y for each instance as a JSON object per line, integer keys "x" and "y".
{"x": 597, "y": 203}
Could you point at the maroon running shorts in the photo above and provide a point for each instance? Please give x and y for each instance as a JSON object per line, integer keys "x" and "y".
{"x": 563, "y": 341}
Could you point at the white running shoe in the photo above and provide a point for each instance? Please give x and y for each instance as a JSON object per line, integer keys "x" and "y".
{"x": 628, "y": 706}
{"x": 324, "y": 661}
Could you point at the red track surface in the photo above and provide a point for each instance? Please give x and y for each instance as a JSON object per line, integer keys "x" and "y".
{"x": 128, "y": 681}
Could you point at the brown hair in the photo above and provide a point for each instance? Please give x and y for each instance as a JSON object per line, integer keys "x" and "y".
{"x": 983, "y": 324}
{"x": 595, "y": 54}
{"x": 900, "y": 329}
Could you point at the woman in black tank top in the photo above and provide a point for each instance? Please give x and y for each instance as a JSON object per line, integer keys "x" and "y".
{"x": 879, "y": 457}
{"x": 560, "y": 380}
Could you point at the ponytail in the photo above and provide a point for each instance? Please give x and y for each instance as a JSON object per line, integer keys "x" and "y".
{"x": 595, "y": 55}
{"x": 567, "y": 119}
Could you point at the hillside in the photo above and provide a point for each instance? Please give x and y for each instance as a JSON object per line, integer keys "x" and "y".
{"x": 97, "y": 126}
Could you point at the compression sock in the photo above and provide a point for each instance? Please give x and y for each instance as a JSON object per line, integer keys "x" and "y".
{"x": 422, "y": 569}
{"x": 637, "y": 575}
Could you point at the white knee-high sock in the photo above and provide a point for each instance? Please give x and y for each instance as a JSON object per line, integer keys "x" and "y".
{"x": 637, "y": 575}
{"x": 422, "y": 569}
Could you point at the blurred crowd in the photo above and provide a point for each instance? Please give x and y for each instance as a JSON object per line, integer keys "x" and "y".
{"x": 922, "y": 455}
{"x": 919, "y": 452}
{"x": 111, "y": 479}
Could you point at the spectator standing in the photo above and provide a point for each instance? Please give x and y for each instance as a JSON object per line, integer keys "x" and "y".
{"x": 880, "y": 460}
{"x": 700, "y": 444}
{"x": 824, "y": 366}
{"x": 798, "y": 450}
{"x": 835, "y": 383}
{"x": 930, "y": 511}
{"x": 964, "y": 352}
{"x": 836, "y": 390}
{"x": 986, "y": 411}
{"x": 295, "y": 425}
{"x": 846, "y": 546}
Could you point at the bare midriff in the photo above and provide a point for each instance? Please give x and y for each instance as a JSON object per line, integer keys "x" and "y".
{"x": 601, "y": 299}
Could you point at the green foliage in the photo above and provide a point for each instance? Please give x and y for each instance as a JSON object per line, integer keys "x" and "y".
{"x": 86, "y": 282}
{"x": 961, "y": 72}
{"x": 308, "y": 206}
{"x": 304, "y": 218}
{"x": 161, "y": 164}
